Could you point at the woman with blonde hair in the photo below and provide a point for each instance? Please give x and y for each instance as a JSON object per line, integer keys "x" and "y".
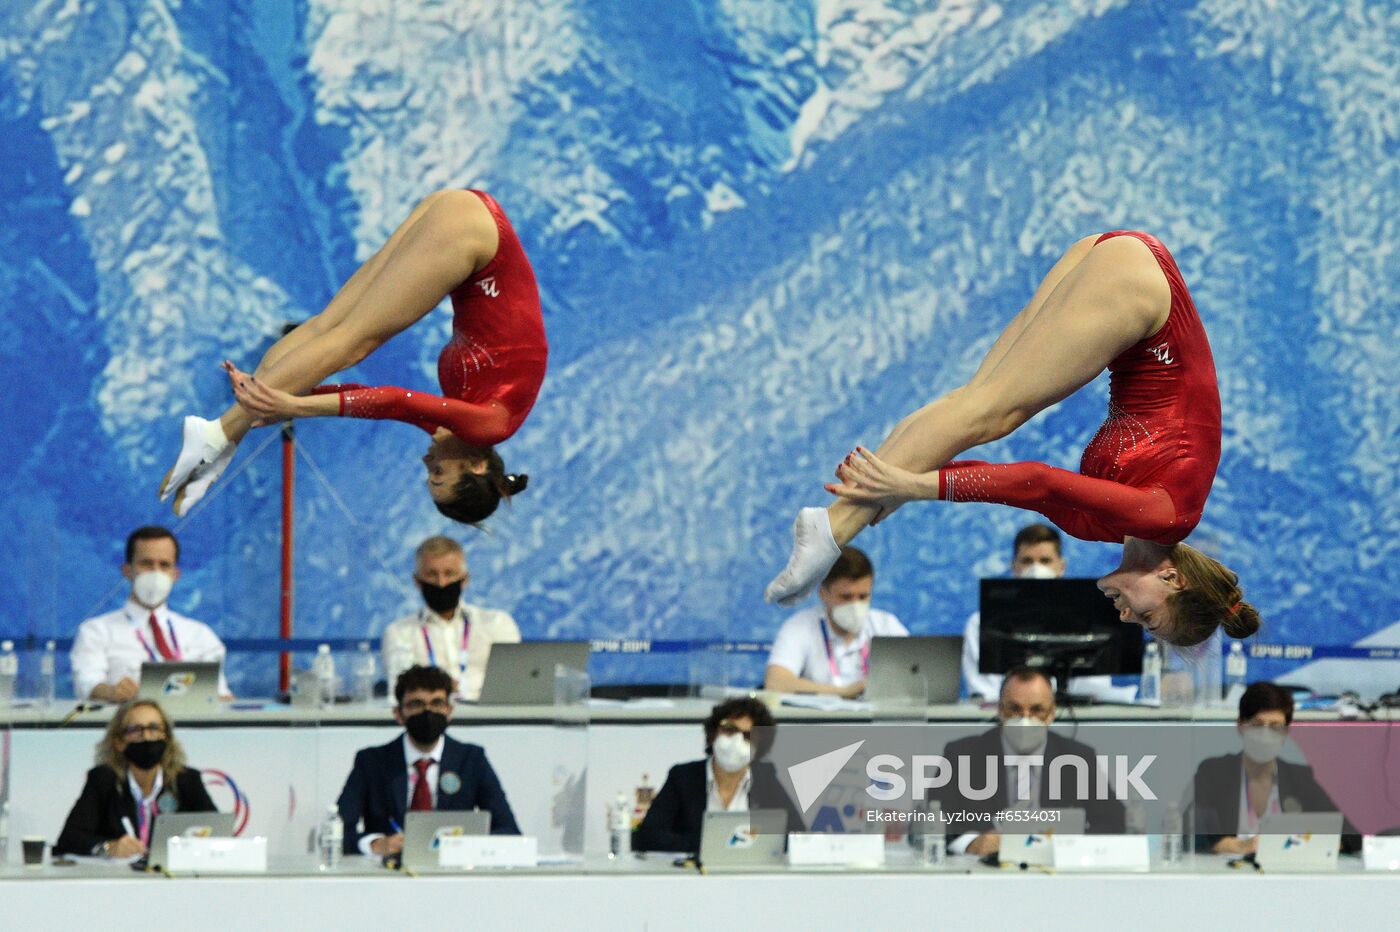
{"x": 140, "y": 773}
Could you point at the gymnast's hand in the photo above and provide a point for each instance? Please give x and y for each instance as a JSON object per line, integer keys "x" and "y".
{"x": 266, "y": 405}
{"x": 868, "y": 480}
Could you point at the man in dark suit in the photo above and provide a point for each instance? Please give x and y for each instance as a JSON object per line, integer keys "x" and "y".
{"x": 423, "y": 769}
{"x": 1025, "y": 710}
{"x": 728, "y": 779}
{"x": 1235, "y": 791}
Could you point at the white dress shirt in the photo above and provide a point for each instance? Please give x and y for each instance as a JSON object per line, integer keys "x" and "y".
{"x": 145, "y": 805}
{"x": 1248, "y": 823}
{"x": 799, "y": 646}
{"x": 113, "y": 646}
{"x": 740, "y": 802}
{"x": 988, "y": 685}
{"x": 403, "y": 645}
{"x": 411, "y": 756}
{"x": 1023, "y": 782}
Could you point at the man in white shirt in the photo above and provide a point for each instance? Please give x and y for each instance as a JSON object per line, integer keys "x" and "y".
{"x": 447, "y": 633}
{"x": 1035, "y": 554}
{"x": 109, "y": 649}
{"x": 826, "y": 648}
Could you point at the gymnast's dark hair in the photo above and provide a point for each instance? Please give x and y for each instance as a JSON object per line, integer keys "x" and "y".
{"x": 475, "y": 497}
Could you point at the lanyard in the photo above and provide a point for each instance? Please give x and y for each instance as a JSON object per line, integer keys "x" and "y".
{"x": 174, "y": 643}
{"x": 432, "y": 654}
{"x": 831, "y": 656}
{"x": 143, "y": 820}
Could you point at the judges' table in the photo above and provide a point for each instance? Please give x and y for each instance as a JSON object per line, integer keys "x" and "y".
{"x": 652, "y": 894}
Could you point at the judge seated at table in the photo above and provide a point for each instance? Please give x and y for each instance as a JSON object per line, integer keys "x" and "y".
{"x": 1025, "y": 711}
{"x": 1234, "y": 792}
{"x": 730, "y": 778}
{"x": 421, "y": 769}
{"x": 140, "y": 773}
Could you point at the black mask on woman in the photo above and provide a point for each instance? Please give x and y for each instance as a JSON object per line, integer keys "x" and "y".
{"x": 425, "y": 727}
{"x": 144, "y": 754}
{"x": 441, "y": 599}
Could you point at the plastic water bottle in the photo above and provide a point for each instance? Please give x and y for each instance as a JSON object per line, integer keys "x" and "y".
{"x": 5, "y": 832}
{"x": 364, "y": 675}
{"x": 48, "y": 666}
{"x": 620, "y": 827}
{"x": 331, "y": 838}
{"x": 1150, "y": 687}
{"x": 935, "y": 848}
{"x": 324, "y": 668}
{"x": 1236, "y": 672}
{"x": 9, "y": 672}
{"x": 1172, "y": 842}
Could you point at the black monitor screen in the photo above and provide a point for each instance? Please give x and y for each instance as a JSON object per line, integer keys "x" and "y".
{"x": 1055, "y": 623}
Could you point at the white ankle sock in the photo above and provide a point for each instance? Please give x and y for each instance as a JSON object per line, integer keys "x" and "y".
{"x": 214, "y": 434}
{"x": 814, "y": 550}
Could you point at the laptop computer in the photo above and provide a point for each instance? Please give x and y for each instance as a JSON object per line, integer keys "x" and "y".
{"x": 743, "y": 841}
{"x": 1031, "y": 841}
{"x": 423, "y": 833}
{"x": 901, "y": 666}
{"x": 189, "y": 825}
{"x": 183, "y": 687}
{"x": 523, "y": 673}
{"x": 1299, "y": 841}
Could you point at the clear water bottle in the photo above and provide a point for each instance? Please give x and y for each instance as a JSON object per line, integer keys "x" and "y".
{"x": 48, "y": 667}
{"x": 1150, "y": 687}
{"x": 9, "y": 673}
{"x": 5, "y": 832}
{"x": 935, "y": 848}
{"x": 1236, "y": 672}
{"x": 1172, "y": 843}
{"x": 364, "y": 674}
{"x": 324, "y": 668}
{"x": 620, "y": 827}
{"x": 331, "y": 839}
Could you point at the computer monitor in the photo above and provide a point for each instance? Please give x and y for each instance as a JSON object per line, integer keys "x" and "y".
{"x": 1063, "y": 626}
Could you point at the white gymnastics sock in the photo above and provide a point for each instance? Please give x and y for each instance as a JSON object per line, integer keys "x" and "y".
{"x": 202, "y": 444}
{"x": 814, "y": 551}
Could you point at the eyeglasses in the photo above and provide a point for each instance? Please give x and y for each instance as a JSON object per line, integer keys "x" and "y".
{"x": 135, "y": 732}
{"x": 1012, "y": 710}
{"x": 414, "y": 706}
{"x": 729, "y": 728}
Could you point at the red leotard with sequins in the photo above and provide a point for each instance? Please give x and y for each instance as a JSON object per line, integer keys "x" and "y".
{"x": 492, "y": 368}
{"x": 1149, "y": 469}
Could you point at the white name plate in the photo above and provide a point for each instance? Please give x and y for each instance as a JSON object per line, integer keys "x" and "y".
{"x": 473, "y": 851}
{"x": 816, "y": 849}
{"x": 1380, "y": 854}
{"x": 1100, "y": 852}
{"x": 216, "y": 855}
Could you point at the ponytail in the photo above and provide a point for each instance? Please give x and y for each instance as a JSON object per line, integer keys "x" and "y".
{"x": 1212, "y": 598}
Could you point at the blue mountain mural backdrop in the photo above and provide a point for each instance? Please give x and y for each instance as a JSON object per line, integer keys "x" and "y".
{"x": 764, "y": 230}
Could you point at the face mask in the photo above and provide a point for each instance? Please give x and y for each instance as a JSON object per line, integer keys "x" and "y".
{"x": 851, "y": 616}
{"x": 1024, "y": 734}
{"x": 1262, "y": 745}
{"x": 151, "y": 588}
{"x": 144, "y": 754}
{"x": 1036, "y": 571}
{"x": 732, "y": 753}
{"x": 425, "y": 727}
{"x": 441, "y": 599}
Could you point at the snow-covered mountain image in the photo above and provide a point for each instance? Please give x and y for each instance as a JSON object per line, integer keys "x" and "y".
{"x": 764, "y": 230}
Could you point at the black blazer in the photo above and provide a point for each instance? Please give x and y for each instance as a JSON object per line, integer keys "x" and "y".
{"x": 377, "y": 790}
{"x": 106, "y": 799}
{"x": 1216, "y": 801}
{"x": 677, "y": 813}
{"x": 1102, "y": 816}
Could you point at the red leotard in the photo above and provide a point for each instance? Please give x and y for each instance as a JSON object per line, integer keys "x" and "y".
{"x": 1149, "y": 468}
{"x": 492, "y": 368}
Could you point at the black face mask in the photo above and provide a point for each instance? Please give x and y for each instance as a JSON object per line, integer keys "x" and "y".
{"x": 144, "y": 754}
{"x": 441, "y": 599}
{"x": 425, "y": 727}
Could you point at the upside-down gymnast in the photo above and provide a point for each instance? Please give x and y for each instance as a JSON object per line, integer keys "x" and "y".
{"x": 455, "y": 243}
{"x": 1114, "y": 301}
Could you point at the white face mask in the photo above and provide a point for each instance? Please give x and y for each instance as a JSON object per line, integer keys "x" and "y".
{"x": 1262, "y": 745}
{"x": 152, "y": 587}
{"x": 732, "y": 753}
{"x": 1036, "y": 571}
{"x": 852, "y": 616}
{"x": 1024, "y": 734}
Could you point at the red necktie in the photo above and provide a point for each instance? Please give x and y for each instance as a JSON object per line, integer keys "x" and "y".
{"x": 422, "y": 798}
{"x": 162, "y": 645}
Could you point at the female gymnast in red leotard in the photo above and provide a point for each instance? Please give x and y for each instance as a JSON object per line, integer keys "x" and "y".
{"x": 1115, "y": 301}
{"x": 455, "y": 244}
